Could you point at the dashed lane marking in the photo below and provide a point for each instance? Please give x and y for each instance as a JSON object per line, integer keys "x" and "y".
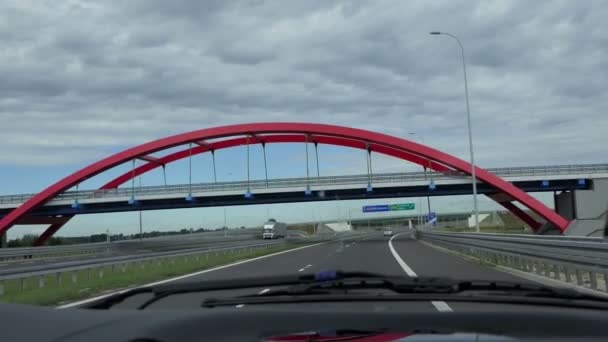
{"x": 441, "y": 306}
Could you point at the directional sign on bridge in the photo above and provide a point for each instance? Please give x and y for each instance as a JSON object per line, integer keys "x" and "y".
{"x": 403, "y": 206}
{"x": 376, "y": 208}
{"x": 388, "y": 207}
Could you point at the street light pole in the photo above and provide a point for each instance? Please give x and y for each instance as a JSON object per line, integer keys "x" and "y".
{"x": 466, "y": 93}
{"x": 428, "y": 198}
{"x": 141, "y": 229}
{"x": 225, "y": 226}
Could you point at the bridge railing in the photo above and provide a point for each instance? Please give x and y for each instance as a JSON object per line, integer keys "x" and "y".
{"x": 383, "y": 178}
{"x": 550, "y": 170}
{"x": 572, "y": 261}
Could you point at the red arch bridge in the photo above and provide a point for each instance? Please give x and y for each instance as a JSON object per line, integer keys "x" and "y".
{"x": 511, "y": 195}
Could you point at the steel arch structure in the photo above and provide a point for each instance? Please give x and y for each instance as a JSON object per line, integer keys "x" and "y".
{"x": 269, "y": 133}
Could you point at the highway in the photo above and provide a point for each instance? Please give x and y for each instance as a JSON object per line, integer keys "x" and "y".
{"x": 371, "y": 253}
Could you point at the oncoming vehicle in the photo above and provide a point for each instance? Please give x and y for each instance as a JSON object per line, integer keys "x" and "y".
{"x": 274, "y": 230}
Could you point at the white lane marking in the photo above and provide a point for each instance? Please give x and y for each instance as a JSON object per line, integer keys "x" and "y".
{"x": 240, "y": 306}
{"x": 184, "y": 276}
{"x": 400, "y": 261}
{"x": 263, "y": 291}
{"x": 304, "y": 268}
{"x": 441, "y": 306}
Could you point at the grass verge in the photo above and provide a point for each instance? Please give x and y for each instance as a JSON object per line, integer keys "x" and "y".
{"x": 70, "y": 286}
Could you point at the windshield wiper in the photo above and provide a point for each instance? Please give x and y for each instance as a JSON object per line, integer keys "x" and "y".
{"x": 169, "y": 289}
{"x": 416, "y": 289}
{"x": 333, "y": 285}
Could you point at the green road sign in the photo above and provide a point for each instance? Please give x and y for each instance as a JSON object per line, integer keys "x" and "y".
{"x": 403, "y": 206}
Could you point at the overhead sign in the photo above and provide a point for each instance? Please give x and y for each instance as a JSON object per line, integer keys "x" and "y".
{"x": 376, "y": 208}
{"x": 388, "y": 207}
{"x": 403, "y": 206}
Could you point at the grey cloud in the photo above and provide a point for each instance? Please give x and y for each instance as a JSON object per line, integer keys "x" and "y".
{"x": 121, "y": 73}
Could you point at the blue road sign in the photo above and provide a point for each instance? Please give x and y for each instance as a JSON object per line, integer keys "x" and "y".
{"x": 376, "y": 208}
{"x": 433, "y": 218}
{"x": 388, "y": 207}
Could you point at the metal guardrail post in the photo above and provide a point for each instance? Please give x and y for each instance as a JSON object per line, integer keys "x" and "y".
{"x": 579, "y": 277}
{"x": 593, "y": 280}
{"x": 567, "y": 274}
{"x": 555, "y": 271}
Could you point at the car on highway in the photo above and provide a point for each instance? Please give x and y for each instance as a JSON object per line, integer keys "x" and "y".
{"x": 388, "y": 232}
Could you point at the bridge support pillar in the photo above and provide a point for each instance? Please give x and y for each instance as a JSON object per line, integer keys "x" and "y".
{"x": 590, "y": 210}
{"x": 565, "y": 204}
{"x": 3, "y": 240}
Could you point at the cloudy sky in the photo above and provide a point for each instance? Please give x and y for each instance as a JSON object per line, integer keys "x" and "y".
{"x": 83, "y": 79}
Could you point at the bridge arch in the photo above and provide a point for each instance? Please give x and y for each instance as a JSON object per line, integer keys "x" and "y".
{"x": 282, "y": 133}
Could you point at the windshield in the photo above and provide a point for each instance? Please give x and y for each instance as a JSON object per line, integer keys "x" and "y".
{"x": 153, "y": 140}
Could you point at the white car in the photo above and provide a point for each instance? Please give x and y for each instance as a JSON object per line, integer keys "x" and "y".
{"x": 388, "y": 232}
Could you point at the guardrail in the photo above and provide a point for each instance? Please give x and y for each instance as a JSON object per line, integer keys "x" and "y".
{"x": 580, "y": 261}
{"x": 123, "y": 263}
{"x": 314, "y": 181}
{"x": 120, "y": 264}
{"x": 15, "y": 254}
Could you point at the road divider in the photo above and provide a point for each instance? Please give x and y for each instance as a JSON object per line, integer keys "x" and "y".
{"x": 53, "y": 288}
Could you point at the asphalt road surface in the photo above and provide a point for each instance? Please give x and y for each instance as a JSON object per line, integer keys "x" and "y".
{"x": 371, "y": 253}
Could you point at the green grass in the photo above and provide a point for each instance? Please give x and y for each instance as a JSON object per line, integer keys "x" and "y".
{"x": 97, "y": 281}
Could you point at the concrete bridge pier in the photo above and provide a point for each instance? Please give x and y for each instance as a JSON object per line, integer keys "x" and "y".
{"x": 588, "y": 209}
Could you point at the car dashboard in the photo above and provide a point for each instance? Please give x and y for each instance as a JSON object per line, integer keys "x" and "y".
{"x": 409, "y": 321}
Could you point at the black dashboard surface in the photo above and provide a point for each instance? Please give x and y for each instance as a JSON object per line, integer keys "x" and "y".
{"x": 257, "y": 322}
